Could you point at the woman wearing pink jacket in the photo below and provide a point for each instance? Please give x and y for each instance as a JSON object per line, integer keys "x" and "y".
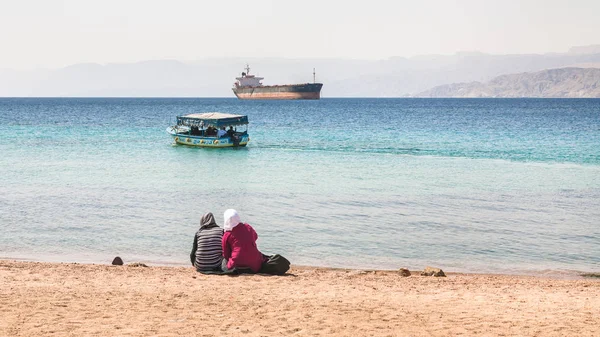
{"x": 239, "y": 244}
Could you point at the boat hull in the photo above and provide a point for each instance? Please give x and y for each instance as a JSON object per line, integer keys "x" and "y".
{"x": 292, "y": 91}
{"x": 213, "y": 142}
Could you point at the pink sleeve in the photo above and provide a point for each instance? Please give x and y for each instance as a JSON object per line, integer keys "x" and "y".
{"x": 226, "y": 249}
{"x": 254, "y": 234}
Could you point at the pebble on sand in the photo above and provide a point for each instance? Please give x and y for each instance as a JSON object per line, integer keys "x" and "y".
{"x": 404, "y": 272}
{"x": 430, "y": 271}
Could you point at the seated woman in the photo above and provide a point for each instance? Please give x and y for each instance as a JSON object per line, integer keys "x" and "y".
{"x": 210, "y": 131}
{"x": 207, "y": 253}
{"x": 195, "y": 131}
{"x": 239, "y": 244}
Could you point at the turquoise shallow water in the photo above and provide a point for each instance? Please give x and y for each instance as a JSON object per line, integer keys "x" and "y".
{"x": 476, "y": 185}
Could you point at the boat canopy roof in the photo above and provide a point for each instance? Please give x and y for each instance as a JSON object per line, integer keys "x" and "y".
{"x": 215, "y": 119}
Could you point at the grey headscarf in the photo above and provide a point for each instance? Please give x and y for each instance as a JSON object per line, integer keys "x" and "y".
{"x": 207, "y": 221}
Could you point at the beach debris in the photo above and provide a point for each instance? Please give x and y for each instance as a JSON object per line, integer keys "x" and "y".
{"x": 117, "y": 261}
{"x": 137, "y": 264}
{"x": 430, "y": 271}
{"x": 357, "y": 272}
{"x": 596, "y": 275}
{"x": 404, "y": 272}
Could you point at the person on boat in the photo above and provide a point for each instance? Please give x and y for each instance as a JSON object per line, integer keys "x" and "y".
{"x": 210, "y": 131}
{"x": 230, "y": 131}
{"x": 207, "y": 253}
{"x": 221, "y": 132}
{"x": 239, "y": 244}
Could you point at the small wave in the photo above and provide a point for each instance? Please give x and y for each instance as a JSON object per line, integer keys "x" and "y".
{"x": 435, "y": 153}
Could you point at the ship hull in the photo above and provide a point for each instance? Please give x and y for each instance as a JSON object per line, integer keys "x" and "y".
{"x": 213, "y": 142}
{"x": 294, "y": 91}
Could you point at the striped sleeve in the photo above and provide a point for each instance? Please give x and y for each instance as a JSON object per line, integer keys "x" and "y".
{"x": 209, "y": 252}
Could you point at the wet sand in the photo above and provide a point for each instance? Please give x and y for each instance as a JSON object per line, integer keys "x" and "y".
{"x": 42, "y": 299}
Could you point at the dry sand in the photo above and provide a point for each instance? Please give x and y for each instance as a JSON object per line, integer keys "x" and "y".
{"x": 42, "y": 299}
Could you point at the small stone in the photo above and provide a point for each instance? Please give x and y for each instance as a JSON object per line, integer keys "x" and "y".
{"x": 404, "y": 272}
{"x": 430, "y": 271}
{"x": 117, "y": 261}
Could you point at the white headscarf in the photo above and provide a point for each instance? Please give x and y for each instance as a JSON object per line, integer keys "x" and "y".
{"x": 231, "y": 219}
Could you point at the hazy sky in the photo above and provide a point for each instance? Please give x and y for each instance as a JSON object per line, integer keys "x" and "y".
{"x": 47, "y": 33}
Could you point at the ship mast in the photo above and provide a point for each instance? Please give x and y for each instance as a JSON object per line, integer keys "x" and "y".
{"x": 247, "y": 69}
{"x": 314, "y": 76}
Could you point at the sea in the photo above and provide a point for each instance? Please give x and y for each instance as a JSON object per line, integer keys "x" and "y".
{"x": 466, "y": 185}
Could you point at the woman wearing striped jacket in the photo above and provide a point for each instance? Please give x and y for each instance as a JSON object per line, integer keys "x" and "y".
{"x": 207, "y": 252}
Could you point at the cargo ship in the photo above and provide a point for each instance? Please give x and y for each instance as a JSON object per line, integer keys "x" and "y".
{"x": 250, "y": 87}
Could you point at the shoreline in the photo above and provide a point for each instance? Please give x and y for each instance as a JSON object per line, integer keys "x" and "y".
{"x": 559, "y": 274}
{"x": 72, "y": 299}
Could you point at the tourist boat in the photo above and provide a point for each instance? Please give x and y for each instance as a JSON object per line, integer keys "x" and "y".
{"x": 211, "y": 129}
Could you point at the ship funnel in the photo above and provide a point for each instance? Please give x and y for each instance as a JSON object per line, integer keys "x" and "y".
{"x": 243, "y": 74}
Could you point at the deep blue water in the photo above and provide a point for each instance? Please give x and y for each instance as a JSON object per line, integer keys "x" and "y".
{"x": 479, "y": 185}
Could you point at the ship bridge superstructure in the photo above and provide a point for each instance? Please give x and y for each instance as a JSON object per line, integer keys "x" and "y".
{"x": 247, "y": 80}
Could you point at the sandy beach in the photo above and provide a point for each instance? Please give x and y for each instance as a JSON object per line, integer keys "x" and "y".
{"x": 42, "y": 299}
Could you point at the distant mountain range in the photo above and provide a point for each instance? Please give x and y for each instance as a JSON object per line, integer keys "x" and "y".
{"x": 393, "y": 77}
{"x": 562, "y": 83}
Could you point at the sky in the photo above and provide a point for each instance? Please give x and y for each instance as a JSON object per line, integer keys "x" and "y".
{"x": 50, "y": 34}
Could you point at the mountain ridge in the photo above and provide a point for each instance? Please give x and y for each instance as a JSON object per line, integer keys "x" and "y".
{"x": 567, "y": 82}
{"x": 214, "y": 77}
